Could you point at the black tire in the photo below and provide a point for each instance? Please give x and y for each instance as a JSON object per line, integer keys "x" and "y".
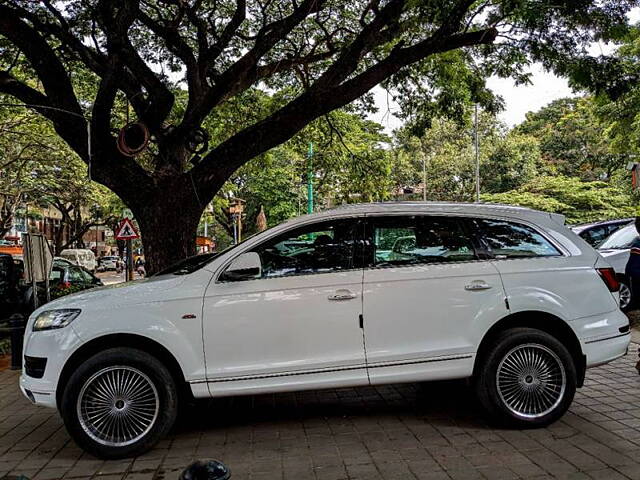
{"x": 161, "y": 398}
{"x": 507, "y": 356}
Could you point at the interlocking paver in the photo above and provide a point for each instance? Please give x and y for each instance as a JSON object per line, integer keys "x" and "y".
{"x": 413, "y": 431}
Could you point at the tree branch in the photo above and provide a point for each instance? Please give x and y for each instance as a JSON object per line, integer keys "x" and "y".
{"x": 285, "y": 122}
{"x": 243, "y": 73}
{"x": 42, "y": 58}
{"x": 116, "y": 23}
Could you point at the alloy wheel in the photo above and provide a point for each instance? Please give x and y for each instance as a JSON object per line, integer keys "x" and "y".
{"x": 118, "y": 405}
{"x": 625, "y": 295}
{"x": 531, "y": 380}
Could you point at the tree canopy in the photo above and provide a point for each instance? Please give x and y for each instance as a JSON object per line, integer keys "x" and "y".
{"x": 178, "y": 63}
{"x": 578, "y": 200}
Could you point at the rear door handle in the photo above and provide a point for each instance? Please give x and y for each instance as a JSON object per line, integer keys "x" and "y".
{"x": 342, "y": 294}
{"x": 477, "y": 285}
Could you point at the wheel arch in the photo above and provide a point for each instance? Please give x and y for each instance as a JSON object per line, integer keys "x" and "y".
{"x": 544, "y": 321}
{"x": 138, "y": 342}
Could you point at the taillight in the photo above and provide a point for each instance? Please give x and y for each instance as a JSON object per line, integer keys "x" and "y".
{"x": 608, "y": 276}
{"x": 66, "y": 284}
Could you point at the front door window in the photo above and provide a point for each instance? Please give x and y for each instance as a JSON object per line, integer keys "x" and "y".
{"x": 319, "y": 248}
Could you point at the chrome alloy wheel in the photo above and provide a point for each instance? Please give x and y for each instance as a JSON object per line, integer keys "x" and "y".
{"x": 531, "y": 380}
{"x": 118, "y": 406}
{"x": 625, "y": 295}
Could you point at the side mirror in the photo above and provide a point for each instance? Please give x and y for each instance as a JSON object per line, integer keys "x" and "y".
{"x": 244, "y": 267}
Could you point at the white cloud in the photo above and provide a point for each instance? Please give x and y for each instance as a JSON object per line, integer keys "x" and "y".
{"x": 545, "y": 87}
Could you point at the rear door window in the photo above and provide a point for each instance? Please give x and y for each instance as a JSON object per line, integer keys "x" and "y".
{"x": 76, "y": 276}
{"x": 410, "y": 240}
{"x": 505, "y": 239}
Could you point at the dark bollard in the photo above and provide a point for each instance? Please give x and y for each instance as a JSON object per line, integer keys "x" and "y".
{"x": 209, "y": 470}
{"x": 16, "y": 323}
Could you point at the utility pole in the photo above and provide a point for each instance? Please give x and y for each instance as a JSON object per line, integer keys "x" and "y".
{"x": 477, "y": 153}
{"x": 424, "y": 177}
{"x": 310, "y": 178}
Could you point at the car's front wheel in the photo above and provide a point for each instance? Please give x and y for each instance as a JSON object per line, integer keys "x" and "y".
{"x": 119, "y": 403}
{"x": 527, "y": 379}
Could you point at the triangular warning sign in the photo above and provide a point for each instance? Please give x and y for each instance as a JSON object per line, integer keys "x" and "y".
{"x": 126, "y": 230}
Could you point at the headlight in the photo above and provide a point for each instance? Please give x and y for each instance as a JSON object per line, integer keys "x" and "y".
{"x": 55, "y": 319}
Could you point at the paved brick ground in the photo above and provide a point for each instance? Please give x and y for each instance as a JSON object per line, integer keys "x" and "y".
{"x": 416, "y": 431}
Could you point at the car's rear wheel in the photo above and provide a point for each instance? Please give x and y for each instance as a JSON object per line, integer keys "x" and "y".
{"x": 626, "y": 298}
{"x": 119, "y": 403}
{"x": 527, "y": 379}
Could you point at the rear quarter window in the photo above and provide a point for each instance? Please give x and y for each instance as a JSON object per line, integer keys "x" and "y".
{"x": 506, "y": 239}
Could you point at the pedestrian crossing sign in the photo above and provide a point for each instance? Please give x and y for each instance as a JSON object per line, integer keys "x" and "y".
{"x": 126, "y": 230}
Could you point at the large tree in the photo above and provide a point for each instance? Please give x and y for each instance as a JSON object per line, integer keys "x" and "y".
{"x": 573, "y": 140}
{"x": 318, "y": 55}
{"x": 445, "y": 155}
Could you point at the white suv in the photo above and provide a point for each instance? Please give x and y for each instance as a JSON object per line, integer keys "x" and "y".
{"x": 505, "y": 295}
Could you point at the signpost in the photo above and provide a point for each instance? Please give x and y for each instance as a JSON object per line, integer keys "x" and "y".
{"x": 38, "y": 261}
{"x": 236, "y": 209}
{"x": 126, "y": 231}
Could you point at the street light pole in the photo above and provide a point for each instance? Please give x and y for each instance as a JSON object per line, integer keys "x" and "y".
{"x": 310, "y": 179}
{"x": 477, "y": 154}
{"x": 424, "y": 177}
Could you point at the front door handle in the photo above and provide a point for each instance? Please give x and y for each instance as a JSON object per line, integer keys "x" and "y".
{"x": 342, "y": 294}
{"x": 477, "y": 285}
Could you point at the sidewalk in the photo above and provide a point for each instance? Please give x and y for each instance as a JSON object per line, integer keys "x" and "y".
{"x": 412, "y": 431}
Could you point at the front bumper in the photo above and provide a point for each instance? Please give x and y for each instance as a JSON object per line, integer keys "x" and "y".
{"x": 604, "y": 337}
{"x": 32, "y": 389}
{"x": 56, "y": 346}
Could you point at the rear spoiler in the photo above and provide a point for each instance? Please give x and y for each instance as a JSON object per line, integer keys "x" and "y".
{"x": 558, "y": 218}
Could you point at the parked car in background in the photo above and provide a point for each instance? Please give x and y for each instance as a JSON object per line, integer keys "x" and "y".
{"x": 595, "y": 233}
{"x": 81, "y": 256}
{"x": 110, "y": 262}
{"x": 65, "y": 279}
{"x": 616, "y": 250}
{"x": 506, "y": 296}
{"x": 16, "y": 294}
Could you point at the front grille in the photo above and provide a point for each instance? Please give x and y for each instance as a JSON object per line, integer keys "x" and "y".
{"x": 34, "y": 366}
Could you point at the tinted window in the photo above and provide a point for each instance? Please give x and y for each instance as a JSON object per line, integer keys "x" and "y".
{"x": 419, "y": 239}
{"x": 318, "y": 248}
{"x": 56, "y": 275}
{"x": 87, "y": 277}
{"x": 514, "y": 240}
{"x": 76, "y": 275}
{"x": 594, "y": 236}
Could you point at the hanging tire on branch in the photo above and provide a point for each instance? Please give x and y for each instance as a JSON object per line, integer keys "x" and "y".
{"x": 133, "y": 139}
{"x": 197, "y": 141}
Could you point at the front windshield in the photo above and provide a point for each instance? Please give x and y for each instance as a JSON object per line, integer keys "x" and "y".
{"x": 624, "y": 238}
{"x": 196, "y": 262}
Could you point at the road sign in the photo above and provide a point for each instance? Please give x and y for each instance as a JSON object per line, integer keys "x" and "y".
{"x": 126, "y": 230}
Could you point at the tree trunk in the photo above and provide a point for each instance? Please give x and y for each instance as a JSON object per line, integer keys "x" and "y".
{"x": 168, "y": 227}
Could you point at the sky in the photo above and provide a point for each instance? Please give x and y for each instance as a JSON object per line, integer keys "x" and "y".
{"x": 544, "y": 88}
